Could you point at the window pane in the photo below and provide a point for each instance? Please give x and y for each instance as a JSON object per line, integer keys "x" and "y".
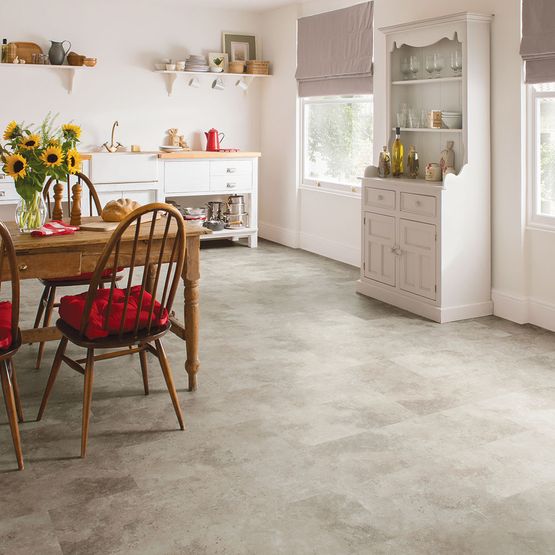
{"x": 337, "y": 139}
{"x": 547, "y": 156}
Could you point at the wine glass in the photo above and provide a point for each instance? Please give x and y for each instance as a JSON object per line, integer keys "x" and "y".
{"x": 438, "y": 63}
{"x": 405, "y": 69}
{"x": 429, "y": 65}
{"x": 456, "y": 61}
{"x": 414, "y": 65}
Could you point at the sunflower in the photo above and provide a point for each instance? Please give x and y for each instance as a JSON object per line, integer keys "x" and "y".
{"x": 54, "y": 142}
{"x": 10, "y": 130}
{"x": 71, "y": 129}
{"x": 73, "y": 161}
{"x": 52, "y": 156}
{"x": 16, "y": 166}
{"x": 30, "y": 142}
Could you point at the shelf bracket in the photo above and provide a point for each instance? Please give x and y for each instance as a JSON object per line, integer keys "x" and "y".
{"x": 171, "y": 80}
{"x": 71, "y": 80}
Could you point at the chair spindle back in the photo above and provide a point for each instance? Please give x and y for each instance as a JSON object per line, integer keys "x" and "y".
{"x": 154, "y": 235}
{"x": 8, "y": 260}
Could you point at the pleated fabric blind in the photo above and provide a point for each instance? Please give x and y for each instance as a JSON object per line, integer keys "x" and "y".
{"x": 538, "y": 40}
{"x": 334, "y": 52}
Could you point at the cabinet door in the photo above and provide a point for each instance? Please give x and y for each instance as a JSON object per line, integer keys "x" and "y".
{"x": 379, "y": 240}
{"x": 187, "y": 176}
{"x": 418, "y": 258}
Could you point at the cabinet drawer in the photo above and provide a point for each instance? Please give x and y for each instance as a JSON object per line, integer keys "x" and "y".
{"x": 230, "y": 167}
{"x": 231, "y": 182}
{"x": 379, "y": 198}
{"x": 422, "y": 205}
{"x": 123, "y": 168}
{"x": 7, "y": 190}
{"x": 46, "y": 265}
{"x": 187, "y": 177}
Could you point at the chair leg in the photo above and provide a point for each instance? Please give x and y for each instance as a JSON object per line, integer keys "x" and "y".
{"x": 144, "y": 370}
{"x": 11, "y": 410}
{"x": 40, "y": 309}
{"x": 16, "y": 391}
{"x": 166, "y": 370}
{"x": 87, "y": 398}
{"x": 53, "y": 373}
{"x": 46, "y": 323}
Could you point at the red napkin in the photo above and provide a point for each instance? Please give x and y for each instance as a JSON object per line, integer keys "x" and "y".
{"x": 54, "y": 227}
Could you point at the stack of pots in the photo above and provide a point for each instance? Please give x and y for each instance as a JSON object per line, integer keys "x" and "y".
{"x": 236, "y": 217}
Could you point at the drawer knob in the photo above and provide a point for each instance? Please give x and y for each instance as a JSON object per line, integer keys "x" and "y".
{"x": 231, "y": 185}
{"x": 23, "y": 267}
{"x": 2, "y": 193}
{"x": 230, "y": 170}
{"x": 380, "y": 197}
{"x": 418, "y": 203}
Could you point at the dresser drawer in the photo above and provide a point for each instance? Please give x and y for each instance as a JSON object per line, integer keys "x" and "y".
{"x": 231, "y": 167}
{"x": 379, "y": 198}
{"x": 187, "y": 177}
{"x": 231, "y": 183}
{"x": 422, "y": 205}
{"x": 7, "y": 190}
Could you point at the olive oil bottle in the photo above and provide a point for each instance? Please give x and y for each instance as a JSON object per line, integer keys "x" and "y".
{"x": 397, "y": 155}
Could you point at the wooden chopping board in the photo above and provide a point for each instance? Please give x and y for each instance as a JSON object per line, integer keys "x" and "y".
{"x": 25, "y": 51}
{"x": 110, "y": 226}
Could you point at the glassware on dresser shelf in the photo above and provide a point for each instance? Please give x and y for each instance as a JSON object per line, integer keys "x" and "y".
{"x": 405, "y": 68}
{"x": 424, "y": 118}
{"x": 456, "y": 62}
{"x": 429, "y": 65}
{"x": 414, "y": 65}
{"x": 414, "y": 118}
{"x": 438, "y": 64}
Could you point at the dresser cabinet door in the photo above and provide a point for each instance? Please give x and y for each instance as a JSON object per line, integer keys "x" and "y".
{"x": 379, "y": 243}
{"x": 417, "y": 270}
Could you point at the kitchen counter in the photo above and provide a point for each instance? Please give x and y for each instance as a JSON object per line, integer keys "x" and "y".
{"x": 195, "y": 154}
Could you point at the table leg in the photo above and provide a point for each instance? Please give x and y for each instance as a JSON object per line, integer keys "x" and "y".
{"x": 191, "y": 278}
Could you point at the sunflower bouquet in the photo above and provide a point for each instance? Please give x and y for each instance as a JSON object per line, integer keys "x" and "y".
{"x": 31, "y": 156}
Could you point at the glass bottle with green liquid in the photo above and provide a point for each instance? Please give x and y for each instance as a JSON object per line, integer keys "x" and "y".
{"x": 397, "y": 155}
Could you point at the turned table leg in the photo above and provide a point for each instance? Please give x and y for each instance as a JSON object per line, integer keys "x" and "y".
{"x": 191, "y": 278}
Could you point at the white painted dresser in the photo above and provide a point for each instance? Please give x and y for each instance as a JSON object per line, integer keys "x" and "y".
{"x": 426, "y": 247}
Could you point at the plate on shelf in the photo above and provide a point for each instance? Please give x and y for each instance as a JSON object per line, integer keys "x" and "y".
{"x": 169, "y": 148}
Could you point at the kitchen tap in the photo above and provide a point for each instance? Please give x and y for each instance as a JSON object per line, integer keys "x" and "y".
{"x": 114, "y": 145}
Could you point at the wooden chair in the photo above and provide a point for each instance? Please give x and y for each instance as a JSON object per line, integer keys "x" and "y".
{"x": 47, "y": 301}
{"x": 131, "y": 319}
{"x": 10, "y": 341}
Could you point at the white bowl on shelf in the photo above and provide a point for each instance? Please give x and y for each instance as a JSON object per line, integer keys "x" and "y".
{"x": 452, "y": 120}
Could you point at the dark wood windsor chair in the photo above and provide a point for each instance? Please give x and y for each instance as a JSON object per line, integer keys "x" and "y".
{"x": 47, "y": 301}
{"x": 132, "y": 319}
{"x": 10, "y": 341}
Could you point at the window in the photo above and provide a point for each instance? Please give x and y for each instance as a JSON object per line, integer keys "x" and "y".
{"x": 543, "y": 154}
{"x": 336, "y": 141}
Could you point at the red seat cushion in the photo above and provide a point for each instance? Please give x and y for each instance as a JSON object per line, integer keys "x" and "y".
{"x": 5, "y": 324}
{"x": 86, "y": 276}
{"x": 72, "y": 307}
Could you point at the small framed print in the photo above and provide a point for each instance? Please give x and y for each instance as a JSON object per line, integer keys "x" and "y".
{"x": 239, "y": 47}
{"x": 214, "y": 57}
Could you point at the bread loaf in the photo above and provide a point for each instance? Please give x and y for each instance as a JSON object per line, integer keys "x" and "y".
{"x": 117, "y": 210}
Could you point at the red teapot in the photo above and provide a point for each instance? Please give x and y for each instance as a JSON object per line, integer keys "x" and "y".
{"x": 213, "y": 140}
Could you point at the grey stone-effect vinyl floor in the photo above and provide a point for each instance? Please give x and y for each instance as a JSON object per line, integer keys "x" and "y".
{"x": 324, "y": 423}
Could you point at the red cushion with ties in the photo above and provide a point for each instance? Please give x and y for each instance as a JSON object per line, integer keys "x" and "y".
{"x": 99, "y": 325}
{"x": 5, "y": 324}
{"x": 86, "y": 276}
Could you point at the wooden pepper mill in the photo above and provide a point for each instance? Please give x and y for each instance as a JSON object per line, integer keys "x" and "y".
{"x": 57, "y": 212}
{"x": 76, "y": 204}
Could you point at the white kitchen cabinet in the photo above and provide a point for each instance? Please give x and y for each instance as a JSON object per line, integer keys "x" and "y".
{"x": 190, "y": 177}
{"x": 439, "y": 265}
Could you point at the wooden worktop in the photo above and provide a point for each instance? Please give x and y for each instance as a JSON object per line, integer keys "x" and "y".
{"x": 195, "y": 154}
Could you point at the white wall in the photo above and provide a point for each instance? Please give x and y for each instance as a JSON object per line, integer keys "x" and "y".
{"x": 127, "y": 37}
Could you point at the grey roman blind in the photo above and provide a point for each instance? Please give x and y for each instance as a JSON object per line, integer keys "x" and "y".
{"x": 538, "y": 40}
{"x": 334, "y": 52}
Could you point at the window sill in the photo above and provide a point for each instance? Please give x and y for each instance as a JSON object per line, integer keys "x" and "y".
{"x": 537, "y": 226}
{"x": 350, "y": 192}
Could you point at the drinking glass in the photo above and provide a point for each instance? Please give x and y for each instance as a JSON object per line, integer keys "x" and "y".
{"x": 438, "y": 63}
{"x": 414, "y": 119}
{"x": 456, "y": 61}
{"x": 405, "y": 69}
{"x": 424, "y": 118}
{"x": 429, "y": 65}
{"x": 414, "y": 65}
{"x": 401, "y": 119}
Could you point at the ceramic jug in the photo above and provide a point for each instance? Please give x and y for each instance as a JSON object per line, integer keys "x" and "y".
{"x": 57, "y": 54}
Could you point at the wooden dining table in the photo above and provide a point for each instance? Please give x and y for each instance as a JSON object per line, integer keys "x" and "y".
{"x": 67, "y": 255}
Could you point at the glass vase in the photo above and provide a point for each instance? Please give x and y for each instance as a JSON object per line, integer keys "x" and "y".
{"x": 31, "y": 214}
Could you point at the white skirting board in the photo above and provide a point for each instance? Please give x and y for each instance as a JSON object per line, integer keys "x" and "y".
{"x": 277, "y": 234}
{"x": 330, "y": 249}
{"x": 523, "y": 310}
{"x": 435, "y": 313}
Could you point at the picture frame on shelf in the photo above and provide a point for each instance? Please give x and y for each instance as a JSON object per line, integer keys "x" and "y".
{"x": 212, "y": 56}
{"x": 240, "y": 47}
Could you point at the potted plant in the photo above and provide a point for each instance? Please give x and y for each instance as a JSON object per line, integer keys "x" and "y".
{"x": 218, "y": 65}
{"x": 30, "y": 157}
